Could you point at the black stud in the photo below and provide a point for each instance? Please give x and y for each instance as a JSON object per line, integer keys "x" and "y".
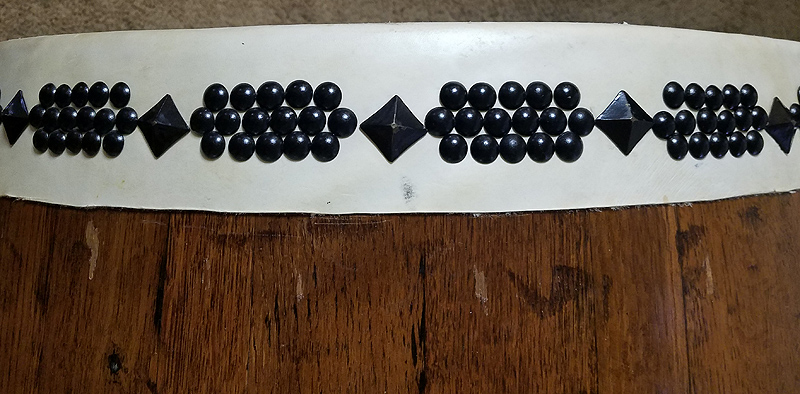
{"x": 496, "y": 122}
{"x": 673, "y": 95}
{"x": 47, "y": 95}
{"x": 98, "y": 94}
{"x": 725, "y": 122}
{"x": 713, "y": 98}
{"x": 80, "y": 94}
{"x": 113, "y": 143}
{"x": 50, "y": 119}
{"x": 677, "y": 147}
{"x": 120, "y": 94}
{"x": 512, "y": 148}
{"x": 90, "y": 143}
{"x": 685, "y": 122}
{"x": 162, "y": 126}
{"x": 104, "y": 121}
{"x": 540, "y": 147}
{"x": 243, "y": 96}
{"x": 126, "y": 120}
{"x": 212, "y": 145}
{"x": 36, "y": 115}
{"x": 730, "y": 96}
{"x": 755, "y": 142}
{"x": 698, "y": 146}
{"x": 241, "y": 147}
{"x": 325, "y": 147}
{"x": 511, "y": 95}
{"x": 15, "y": 118}
{"x": 664, "y": 124}
{"x": 327, "y": 96}
{"x": 85, "y": 119}
{"x": 525, "y": 121}
{"x": 737, "y": 144}
{"x": 624, "y": 122}
{"x": 453, "y": 148}
{"x": 484, "y": 149}
{"x": 718, "y": 145}
{"x": 311, "y": 120}
{"x": 453, "y": 95}
{"x": 269, "y": 147}
{"x": 743, "y": 118}
{"x": 270, "y": 95}
{"x": 706, "y": 121}
{"x": 255, "y": 121}
{"x": 468, "y": 122}
{"x": 298, "y": 93}
{"x": 283, "y": 121}
{"x": 581, "y": 122}
{"x": 481, "y": 96}
{"x": 63, "y": 95}
{"x": 57, "y": 142}
{"x": 393, "y": 128}
{"x": 538, "y": 95}
{"x": 794, "y": 111}
{"x": 227, "y": 121}
{"x": 694, "y": 96}
{"x": 553, "y": 121}
{"x": 73, "y": 141}
{"x": 780, "y": 126}
{"x": 342, "y": 122}
{"x": 439, "y": 122}
{"x": 296, "y": 146}
{"x": 569, "y": 147}
{"x": 760, "y": 118}
{"x": 202, "y": 120}
{"x": 215, "y": 97}
{"x": 40, "y": 140}
{"x": 67, "y": 118}
{"x": 748, "y": 95}
{"x": 566, "y": 95}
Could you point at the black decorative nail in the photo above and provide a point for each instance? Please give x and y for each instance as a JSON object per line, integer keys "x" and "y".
{"x": 325, "y": 147}
{"x": 283, "y": 121}
{"x": 725, "y": 122}
{"x": 512, "y": 148}
{"x": 780, "y": 126}
{"x": 760, "y": 118}
{"x": 511, "y": 95}
{"x": 718, "y": 145}
{"x": 698, "y": 146}
{"x": 393, "y": 129}
{"x": 566, "y": 95}
{"x": 215, "y": 97}
{"x": 737, "y": 144}
{"x": 538, "y": 95}
{"x": 40, "y": 140}
{"x": 73, "y": 141}
{"x": 540, "y": 147}
{"x": 755, "y": 142}
{"x": 342, "y": 122}
{"x": 104, "y": 121}
{"x": 50, "y": 119}
{"x": 748, "y": 95}
{"x": 553, "y": 121}
{"x": 730, "y": 96}
{"x": 673, "y": 95}
{"x": 581, "y": 122}
{"x": 227, "y": 121}
{"x": 296, "y": 146}
{"x": 98, "y": 94}
{"x": 694, "y": 96}
{"x": 327, "y": 96}
{"x": 525, "y": 121}
{"x": 794, "y": 111}
{"x": 311, "y": 120}
{"x": 67, "y": 118}
{"x": 127, "y": 118}
{"x": 90, "y": 143}
{"x": 270, "y": 95}
{"x": 120, "y": 94}
{"x": 298, "y": 93}
{"x": 743, "y": 117}
{"x": 453, "y": 95}
{"x": 243, "y": 96}
{"x": 57, "y": 142}
{"x": 212, "y": 144}
{"x": 569, "y": 147}
{"x": 241, "y": 147}
{"x": 713, "y": 97}
{"x": 706, "y": 121}
{"x": 453, "y": 148}
{"x": 113, "y": 143}
{"x": 15, "y": 118}
{"x": 80, "y": 94}
{"x": 36, "y": 115}
{"x": 255, "y": 121}
{"x": 624, "y": 122}
{"x": 685, "y": 122}
{"x": 677, "y": 147}
{"x": 162, "y": 126}
{"x": 484, "y": 149}
{"x": 63, "y": 95}
{"x": 481, "y": 96}
{"x": 468, "y": 122}
{"x": 47, "y": 95}
{"x": 664, "y": 124}
{"x": 439, "y": 122}
{"x": 85, "y": 119}
{"x": 202, "y": 120}
{"x": 496, "y": 122}
{"x": 269, "y": 147}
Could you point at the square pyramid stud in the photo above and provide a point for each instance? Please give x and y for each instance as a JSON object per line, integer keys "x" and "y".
{"x": 780, "y": 126}
{"x": 624, "y": 122}
{"x": 163, "y": 126}
{"x": 15, "y": 118}
{"x": 393, "y": 129}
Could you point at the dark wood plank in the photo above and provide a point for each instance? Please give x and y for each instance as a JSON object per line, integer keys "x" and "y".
{"x": 739, "y": 261}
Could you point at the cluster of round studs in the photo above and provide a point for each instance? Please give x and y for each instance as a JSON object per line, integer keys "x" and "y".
{"x": 468, "y": 121}
{"x": 65, "y": 118}
{"x": 283, "y": 132}
{"x": 721, "y": 130}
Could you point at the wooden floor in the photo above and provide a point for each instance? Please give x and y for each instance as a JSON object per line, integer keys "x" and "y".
{"x": 700, "y": 299}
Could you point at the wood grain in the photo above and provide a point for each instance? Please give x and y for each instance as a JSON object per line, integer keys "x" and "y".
{"x": 699, "y": 299}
